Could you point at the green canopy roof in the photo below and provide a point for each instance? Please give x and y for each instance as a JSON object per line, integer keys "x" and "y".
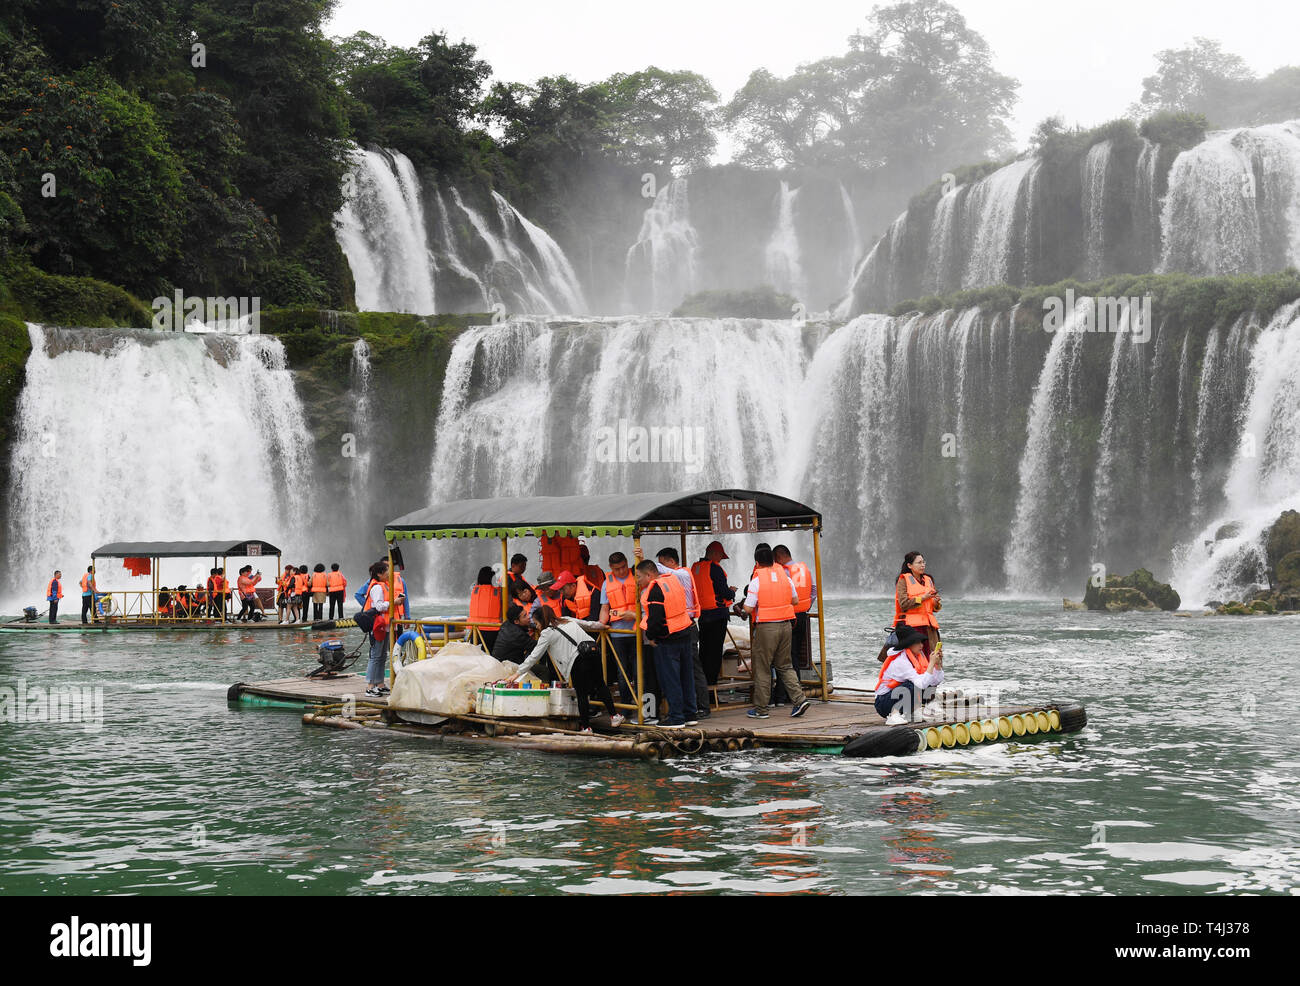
{"x": 184, "y": 549}
{"x": 600, "y": 515}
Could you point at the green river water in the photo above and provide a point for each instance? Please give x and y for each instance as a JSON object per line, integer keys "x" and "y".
{"x": 1184, "y": 782}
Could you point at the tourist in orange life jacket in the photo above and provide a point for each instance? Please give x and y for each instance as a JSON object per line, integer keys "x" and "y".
{"x": 319, "y": 591}
{"x": 216, "y": 594}
{"x": 806, "y": 588}
{"x": 88, "y": 594}
{"x": 548, "y": 595}
{"x": 669, "y": 564}
{"x": 378, "y": 598}
{"x": 302, "y": 589}
{"x": 284, "y": 603}
{"x": 908, "y": 679}
{"x": 715, "y": 598}
{"x": 485, "y": 607}
{"x": 578, "y": 596}
{"x": 515, "y": 574}
{"x": 916, "y": 600}
{"x": 666, "y": 623}
{"x": 336, "y": 585}
{"x": 770, "y": 598}
{"x": 618, "y": 612}
{"x": 522, "y": 595}
{"x": 250, "y": 607}
{"x": 594, "y": 574}
{"x": 53, "y": 593}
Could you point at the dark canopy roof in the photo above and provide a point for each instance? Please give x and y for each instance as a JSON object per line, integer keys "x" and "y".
{"x": 601, "y": 515}
{"x": 183, "y": 549}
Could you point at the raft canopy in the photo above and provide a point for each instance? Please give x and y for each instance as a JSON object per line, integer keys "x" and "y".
{"x": 185, "y": 549}
{"x": 600, "y": 515}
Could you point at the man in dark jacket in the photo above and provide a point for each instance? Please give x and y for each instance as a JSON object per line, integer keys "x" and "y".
{"x": 674, "y": 663}
{"x": 514, "y": 642}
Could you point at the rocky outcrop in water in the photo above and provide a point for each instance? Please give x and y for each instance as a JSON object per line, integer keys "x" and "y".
{"x": 1138, "y": 591}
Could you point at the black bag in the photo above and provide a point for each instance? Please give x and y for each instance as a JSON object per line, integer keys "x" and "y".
{"x": 365, "y": 620}
{"x": 586, "y": 649}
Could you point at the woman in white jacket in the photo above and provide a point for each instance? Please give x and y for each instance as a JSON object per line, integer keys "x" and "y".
{"x": 560, "y": 639}
{"x": 907, "y": 677}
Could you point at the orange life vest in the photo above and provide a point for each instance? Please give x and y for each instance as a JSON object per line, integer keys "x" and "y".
{"x": 562, "y": 554}
{"x": 336, "y": 581}
{"x": 675, "y": 609}
{"x": 51, "y": 587}
{"x": 919, "y": 661}
{"x": 621, "y": 594}
{"x": 485, "y": 606}
{"x": 582, "y": 600}
{"x": 554, "y": 603}
{"x": 802, "y": 578}
{"x": 319, "y": 582}
{"x": 300, "y": 582}
{"x": 85, "y": 584}
{"x": 917, "y": 616}
{"x": 702, "y": 575}
{"x": 774, "y": 605}
{"x": 388, "y": 596}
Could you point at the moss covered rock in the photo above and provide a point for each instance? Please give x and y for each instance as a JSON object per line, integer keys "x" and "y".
{"x": 1128, "y": 592}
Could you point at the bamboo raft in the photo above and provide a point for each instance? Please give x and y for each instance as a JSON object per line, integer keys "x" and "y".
{"x": 110, "y": 626}
{"x": 848, "y": 725}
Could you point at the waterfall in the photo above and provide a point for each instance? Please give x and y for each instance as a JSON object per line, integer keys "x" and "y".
{"x": 660, "y": 267}
{"x": 363, "y": 419}
{"x": 136, "y": 435}
{"x": 988, "y": 220}
{"x": 381, "y": 230}
{"x": 781, "y": 257}
{"x": 556, "y": 272}
{"x": 1264, "y": 478}
{"x": 1048, "y": 504}
{"x": 1146, "y": 206}
{"x": 1095, "y": 167}
{"x": 1233, "y": 205}
{"x": 942, "y": 258}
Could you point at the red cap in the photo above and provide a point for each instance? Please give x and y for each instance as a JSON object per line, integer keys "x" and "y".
{"x": 563, "y": 579}
{"x": 718, "y": 545}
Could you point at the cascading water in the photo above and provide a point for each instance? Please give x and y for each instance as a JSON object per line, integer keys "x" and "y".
{"x": 1233, "y": 205}
{"x": 555, "y": 271}
{"x": 781, "y": 258}
{"x": 138, "y": 435}
{"x": 1095, "y": 166}
{"x": 988, "y": 223}
{"x": 1264, "y": 478}
{"x": 363, "y": 420}
{"x": 381, "y": 230}
{"x": 942, "y": 259}
{"x": 660, "y": 268}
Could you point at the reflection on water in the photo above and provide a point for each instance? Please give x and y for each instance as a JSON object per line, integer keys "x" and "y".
{"x": 1175, "y": 787}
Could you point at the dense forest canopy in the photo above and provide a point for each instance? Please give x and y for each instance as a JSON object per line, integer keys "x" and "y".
{"x": 203, "y": 143}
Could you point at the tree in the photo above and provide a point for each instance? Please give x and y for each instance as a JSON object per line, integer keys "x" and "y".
{"x": 924, "y": 92}
{"x": 664, "y": 119}
{"x": 791, "y": 122}
{"x": 1201, "y": 78}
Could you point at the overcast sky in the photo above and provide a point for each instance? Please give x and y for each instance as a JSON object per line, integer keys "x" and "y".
{"x": 1084, "y": 61}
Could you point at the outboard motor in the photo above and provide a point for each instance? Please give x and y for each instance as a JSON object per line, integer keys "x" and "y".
{"x": 332, "y": 659}
{"x": 29, "y": 613}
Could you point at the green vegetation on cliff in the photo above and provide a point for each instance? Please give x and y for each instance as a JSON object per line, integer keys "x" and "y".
{"x": 762, "y": 302}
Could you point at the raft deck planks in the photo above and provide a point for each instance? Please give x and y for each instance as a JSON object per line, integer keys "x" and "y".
{"x": 825, "y": 724}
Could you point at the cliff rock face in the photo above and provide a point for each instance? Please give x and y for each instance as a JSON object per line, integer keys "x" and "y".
{"x": 1123, "y": 593}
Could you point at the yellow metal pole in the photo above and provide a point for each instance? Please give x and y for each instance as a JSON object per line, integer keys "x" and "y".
{"x": 505, "y": 578}
{"x": 392, "y": 607}
{"x": 685, "y": 560}
{"x": 636, "y": 628}
{"x": 821, "y": 619}
{"x": 155, "y": 567}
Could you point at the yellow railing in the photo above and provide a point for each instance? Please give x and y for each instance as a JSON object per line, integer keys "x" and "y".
{"x": 164, "y": 607}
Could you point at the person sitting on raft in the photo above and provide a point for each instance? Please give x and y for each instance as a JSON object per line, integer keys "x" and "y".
{"x": 905, "y": 671}
{"x": 514, "y": 638}
{"x": 916, "y": 600}
{"x": 560, "y": 638}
